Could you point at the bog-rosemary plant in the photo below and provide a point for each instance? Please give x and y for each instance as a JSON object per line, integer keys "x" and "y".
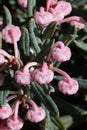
{"x": 39, "y": 44}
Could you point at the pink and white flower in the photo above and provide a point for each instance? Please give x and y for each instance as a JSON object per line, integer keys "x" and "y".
{"x": 43, "y": 75}
{"x": 60, "y": 52}
{"x": 35, "y": 114}
{"x": 5, "y": 111}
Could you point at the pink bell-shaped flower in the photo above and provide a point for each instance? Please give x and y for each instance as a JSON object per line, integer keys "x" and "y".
{"x": 79, "y": 24}
{"x": 14, "y": 122}
{"x": 67, "y": 87}
{"x": 76, "y": 21}
{"x": 60, "y": 52}
{"x": 64, "y": 7}
{"x": 6, "y": 33}
{"x": 2, "y": 79}
{"x": 43, "y": 18}
{"x": 35, "y": 114}
{"x": 43, "y": 75}
{"x": 22, "y": 76}
{"x": 59, "y": 9}
{"x": 11, "y": 34}
{"x": 23, "y": 3}
{"x": 5, "y": 111}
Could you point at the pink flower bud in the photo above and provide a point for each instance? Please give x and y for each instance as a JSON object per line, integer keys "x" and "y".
{"x": 68, "y": 85}
{"x": 14, "y": 122}
{"x": 5, "y": 111}
{"x": 2, "y": 79}
{"x": 64, "y": 7}
{"x": 68, "y": 88}
{"x": 2, "y": 59}
{"x": 60, "y": 52}
{"x": 14, "y": 125}
{"x": 11, "y": 34}
{"x": 76, "y": 21}
{"x": 7, "y": 36}
{"x": 79, "y": 24}
{"x": 23, "y": 3}
{"x": 22, "y": 78}
{"x": 59, "y": 9}
{"x": 43, "y": 75}
{"x": 43, "y": 18}
{"x": 35, "y": 114}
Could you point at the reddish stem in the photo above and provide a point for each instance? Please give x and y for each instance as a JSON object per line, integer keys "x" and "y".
{"x": 72, "y": 18}
{"x": 16, "y": 111}
{"x": 4, "y": 53}
{"x": 62, "y": 73}
{"x": 11, "y": 97}
{"x": 14, "y": 42}
{"x": 34, "y": 106}
{"x": 28, "y": 65}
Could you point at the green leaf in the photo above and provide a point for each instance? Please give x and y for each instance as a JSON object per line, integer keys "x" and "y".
{"x": 49, "y": 31}
{"x": 46, "y": 99}
{"x": 58, "y": 123}
{"x": 81, "y": 44}
{"x": 25, "y": 44}
{"x": 70, "y": 108}
{"x": 45, "y": 50}
{"x": 31, "y": 7}
{"x": 46, "y": 124}
{"x": 79, "y": 2}
{"x": 3, "y": 97}
{"x": 82, "y": 84}
{"x": 33, "y": 38}
{"x": 67, "y": 120}
{"x": 7, "y": 18}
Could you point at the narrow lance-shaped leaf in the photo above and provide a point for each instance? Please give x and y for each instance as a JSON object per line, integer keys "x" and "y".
{"x": 81, "y": 44}
{"x": 31, "y": 7}
{"x": 47, "y": 123}
{"x": 82, "y": 84}
{"x": 69, "y": 108}
{"x": 25, "y": 44}
{"x": 3, "y": 97}
{"x": 45, "y": 50}
{"x": 79, "y": 2}
{"x": 47, "y": 100}
{"x": 58, "y": 123}
{"x": 67, "y": 123}
{"x": 7, "y": 18}
{"x": 32, "y": 35}
{"x": 49, "y": 31}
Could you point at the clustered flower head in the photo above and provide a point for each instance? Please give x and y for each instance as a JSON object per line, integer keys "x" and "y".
{"x": 57, "y": 11}
{"x": 45, "y": 73}
{"x": 42, "y": 73}
{"x": 10, "y": 119}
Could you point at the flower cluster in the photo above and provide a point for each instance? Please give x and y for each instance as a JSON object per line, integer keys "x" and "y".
{"x": 56, "y": 11}
{"x": 10, "y": 119}
{"x": 34, "y": 71}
